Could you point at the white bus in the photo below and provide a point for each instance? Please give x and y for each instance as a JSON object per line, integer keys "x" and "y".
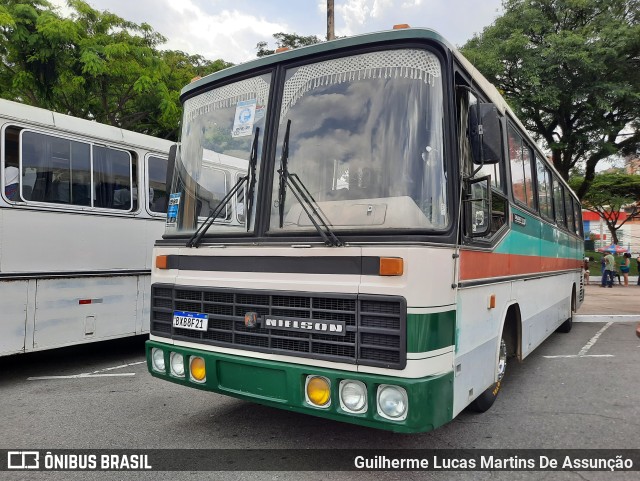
{"x": 81, "y": 205}
{"x": 403, "y": 236}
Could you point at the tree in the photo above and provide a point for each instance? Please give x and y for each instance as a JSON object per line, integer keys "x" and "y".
{"x": 608, "y": 195}
{"x": 570, "y": 69}
{"x": 289, "y": 40}
{"x": 94, "y": 65}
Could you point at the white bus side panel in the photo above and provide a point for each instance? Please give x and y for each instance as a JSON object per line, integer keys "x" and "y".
{"x": 544, "y": 304}
{"x": 13, "y": 316}
{"x": 477, "y": 331}
{"x": 42, "y": 242}
{"x": 62, "y": 320}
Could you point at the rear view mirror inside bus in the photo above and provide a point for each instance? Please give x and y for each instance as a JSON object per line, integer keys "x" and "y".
{"x": 478, "y": 207}
{"x": 484, "y": 129}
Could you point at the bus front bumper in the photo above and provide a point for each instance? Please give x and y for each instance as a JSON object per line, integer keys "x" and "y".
{"x": 283, "y": 385}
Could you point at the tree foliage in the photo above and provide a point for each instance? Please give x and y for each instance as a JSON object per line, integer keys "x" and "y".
{"x": 289, "y": 40}
{"x": 608, "y": 196}
{"x": 570, "y": 69}
{"x": 94, "y": 65}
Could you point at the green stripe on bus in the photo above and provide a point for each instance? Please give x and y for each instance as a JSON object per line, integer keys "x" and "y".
{"x": 428, "y": 332}
{"x": 538, "y": 238}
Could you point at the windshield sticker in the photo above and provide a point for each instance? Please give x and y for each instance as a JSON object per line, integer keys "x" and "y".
{"x": 259, "y": 113}
{"x": 172, "y": 211}
{"x": 244, "y": 118}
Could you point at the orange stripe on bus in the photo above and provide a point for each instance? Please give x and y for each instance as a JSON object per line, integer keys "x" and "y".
{"x": 483, "y": 265}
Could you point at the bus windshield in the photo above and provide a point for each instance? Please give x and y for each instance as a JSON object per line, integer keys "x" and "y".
{"x": 366, "y": 140}
{"x": 365, "y": 143}
{"x": 218, "y": 133}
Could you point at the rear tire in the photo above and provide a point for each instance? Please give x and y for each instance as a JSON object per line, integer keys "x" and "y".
{"x": 483, "y": 402}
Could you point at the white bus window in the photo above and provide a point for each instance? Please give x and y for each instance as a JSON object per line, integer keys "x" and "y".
{"x": 157, "y": 184}
{"x": 55, "y": 170}
{"x": 558, "y": 200}
{"x": 521, "y": 177}
{"x": 112, "y": 179}
{"x": 544, "y": 189}
{"x": 568, "y": 208}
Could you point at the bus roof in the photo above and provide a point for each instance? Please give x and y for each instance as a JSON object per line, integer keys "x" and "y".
{"x": 74, "y": 125}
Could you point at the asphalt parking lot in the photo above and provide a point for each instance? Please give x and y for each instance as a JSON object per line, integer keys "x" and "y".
{"x": 577, "y": 390}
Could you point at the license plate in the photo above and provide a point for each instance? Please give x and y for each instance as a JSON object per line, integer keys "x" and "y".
{"x": 190, "y": 320}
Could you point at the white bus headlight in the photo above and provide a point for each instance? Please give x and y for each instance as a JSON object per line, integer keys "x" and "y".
{"x": 177, "y": 364}
{"x": 157, "y": 359}
{"x": 392, "y": 402}
{"x": 353, "y": 396}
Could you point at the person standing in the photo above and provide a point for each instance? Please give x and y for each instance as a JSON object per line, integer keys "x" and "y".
{"x": 609, "y": 270}
{"x": 625, "y": 267}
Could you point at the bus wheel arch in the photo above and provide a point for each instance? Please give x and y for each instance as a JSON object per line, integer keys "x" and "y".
{"x": 508, "y": 347}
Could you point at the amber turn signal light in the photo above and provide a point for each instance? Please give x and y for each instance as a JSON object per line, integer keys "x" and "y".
{"x": 161, "y": 262}
{"x": 391, "y": 266}
{"x": 398, "y": 26}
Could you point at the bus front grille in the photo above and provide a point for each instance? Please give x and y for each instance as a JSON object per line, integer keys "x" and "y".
{"x": 374, "y": 326}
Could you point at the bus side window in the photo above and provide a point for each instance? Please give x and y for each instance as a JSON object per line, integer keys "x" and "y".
{"x": 157, "y": 171}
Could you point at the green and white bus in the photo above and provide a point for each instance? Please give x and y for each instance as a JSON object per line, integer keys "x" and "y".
{"x": 390, "y": 238}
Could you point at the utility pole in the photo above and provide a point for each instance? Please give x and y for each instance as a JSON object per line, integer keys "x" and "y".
{"x": 330, "y": 30}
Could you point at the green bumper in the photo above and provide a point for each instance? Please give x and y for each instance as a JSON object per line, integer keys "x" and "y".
{"x": 281, "y": 385}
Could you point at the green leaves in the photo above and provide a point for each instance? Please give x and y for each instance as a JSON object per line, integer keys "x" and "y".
{"x": 94, "y": 65}
{"x": 569, "y": 69}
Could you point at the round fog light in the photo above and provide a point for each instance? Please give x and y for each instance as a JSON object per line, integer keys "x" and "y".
{"x": 392, "y": 402}
{"x": 157, "y": 359}
{"x": 353, "y": 396}
{"x": 177, "y": 364}
{"x": 318, "y": 391}
{"x": 197, "y": 368}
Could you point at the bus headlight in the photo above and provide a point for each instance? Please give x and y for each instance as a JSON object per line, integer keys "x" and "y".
{"x": 197, "y": 369}
{"x": 392, "y": 402}
{"x": 157, "y": 359}
{"x": 177, "y": 364}
{"x": 353, "y": 396}
{"x": 318, "y": 391}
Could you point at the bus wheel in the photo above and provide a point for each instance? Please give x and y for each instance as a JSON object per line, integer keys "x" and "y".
{"x": 566, "y": 326}
{"x": 483, "y": 402}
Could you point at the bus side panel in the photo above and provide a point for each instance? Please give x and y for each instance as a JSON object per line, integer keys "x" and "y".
{"x": 13, "y": 319}
{"x": 544, "y": 304}
{"x": 45, "y": 242}
{"x": 478, "y": 330}
{"x": 144, "y": 304}
{"x": 74, "y": 310}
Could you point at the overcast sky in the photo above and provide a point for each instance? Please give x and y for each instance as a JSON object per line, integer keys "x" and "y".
{"x": 230, "y": 29}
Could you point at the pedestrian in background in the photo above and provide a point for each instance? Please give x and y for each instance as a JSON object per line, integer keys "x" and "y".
{"x": 586, "y": 270}
{"x": 609, "y": 270}
{"x": 638, "y": 261}
{"x": 625, "y": 267}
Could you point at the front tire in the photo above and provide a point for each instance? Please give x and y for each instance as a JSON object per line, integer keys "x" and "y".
{"x": 483, "y": 402}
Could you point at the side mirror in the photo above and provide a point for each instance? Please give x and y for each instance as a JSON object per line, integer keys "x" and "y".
{"x": 478, "y": 207}
{"x": 484, "y": 130}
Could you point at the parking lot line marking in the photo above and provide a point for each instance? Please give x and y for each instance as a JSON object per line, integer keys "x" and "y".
{"x": 594, "y": 339}
{"x": 80, "y": 376}
{"x": 119, "y": 367}
{"x": 606, "y": 318}
{"x": 577, "y": 355}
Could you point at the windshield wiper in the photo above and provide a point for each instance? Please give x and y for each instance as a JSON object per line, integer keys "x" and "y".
{"x": 302, "y": 194}
{"x": 194, "y": 240}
